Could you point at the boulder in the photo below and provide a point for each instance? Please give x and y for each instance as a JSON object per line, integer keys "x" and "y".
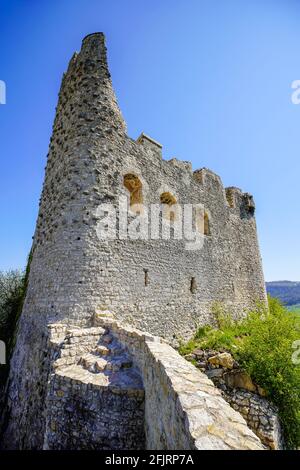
{"x": 199, "y": 353}
{"x": 224, "y": 359}
{"x": 239, "y": 379}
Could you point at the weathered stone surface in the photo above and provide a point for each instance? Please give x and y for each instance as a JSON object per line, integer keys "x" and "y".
{"x": 144, "y": 395}
{"x": 96, "y": 400}
{"x": 214, "y": 372}
{"x": 183, "y": 409}
{"x": 240, "y": 379}
{"x": 198, "y": 353}
{"x": 222, "y": 359}
{"x": 260, "y": 414}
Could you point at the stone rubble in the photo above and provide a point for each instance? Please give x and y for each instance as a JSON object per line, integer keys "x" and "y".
{"x": 242, "y": 394}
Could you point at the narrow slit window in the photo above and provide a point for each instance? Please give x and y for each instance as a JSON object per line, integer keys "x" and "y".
{"x": 193, "y": 286}
{"x": 146, "y": 277}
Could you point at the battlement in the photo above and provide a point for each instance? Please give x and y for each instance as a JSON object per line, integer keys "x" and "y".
{"x": 143, "y": 138}
{"x": 231, "y": 197}
{"x": 150, "y": 144}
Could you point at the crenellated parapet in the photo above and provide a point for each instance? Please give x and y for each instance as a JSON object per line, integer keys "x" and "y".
{"x": 239, "y": 201}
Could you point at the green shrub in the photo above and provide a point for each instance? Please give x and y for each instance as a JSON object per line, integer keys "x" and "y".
{"x": 262, "y": 343}
{"x": 13, "y": 286}
{"x": 266, "y": 354}
{"x": 11, "y": 295}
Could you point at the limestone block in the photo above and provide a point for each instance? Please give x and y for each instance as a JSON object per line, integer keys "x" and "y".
{"x": 222, "y": 359}
{"x": 239, "y": 379}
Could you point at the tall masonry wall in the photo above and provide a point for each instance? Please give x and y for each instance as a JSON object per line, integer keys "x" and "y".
{"x": 74, "y": 274}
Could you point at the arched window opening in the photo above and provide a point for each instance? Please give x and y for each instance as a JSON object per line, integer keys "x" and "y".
{"x": 134, "y": 185}
{"x": 203, "y": 223}
{"x": 169, "y": 202}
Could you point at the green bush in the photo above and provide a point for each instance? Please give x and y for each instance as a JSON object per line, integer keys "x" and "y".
{"x": 11, "y": 297}
{"x": 262, "y": 343}
{"x": 266, "y": 353}
{"x": 13, "y": 285}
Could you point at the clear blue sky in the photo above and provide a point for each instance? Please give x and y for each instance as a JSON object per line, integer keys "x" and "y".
{"x": 209, "y": 79}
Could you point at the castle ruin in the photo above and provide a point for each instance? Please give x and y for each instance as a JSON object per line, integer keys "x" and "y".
{"x": 82, "y": 362}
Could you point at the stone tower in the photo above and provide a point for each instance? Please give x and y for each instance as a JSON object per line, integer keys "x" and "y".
{"x": 156, "y": 285}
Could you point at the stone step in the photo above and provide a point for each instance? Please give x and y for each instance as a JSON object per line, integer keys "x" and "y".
{"x": 82, "y": 340}
{"x": 87, "y": 361}
{"x": 93, "y": 330}
{"x": 83, "y": 332}
{"x": 96, "y": 364}
{"x": 102, "y": 350}
{"x": 124, "y": 381}
{"x": 76, "y": 344}
{"x": 63, "y": 361}
{"x": 112, "y": 349}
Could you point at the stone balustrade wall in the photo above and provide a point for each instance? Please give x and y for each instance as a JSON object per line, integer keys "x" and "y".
{"x": 183, "y": 409}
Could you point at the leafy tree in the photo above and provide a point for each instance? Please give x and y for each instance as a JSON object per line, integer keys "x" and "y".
{"x": 12, "y": 291}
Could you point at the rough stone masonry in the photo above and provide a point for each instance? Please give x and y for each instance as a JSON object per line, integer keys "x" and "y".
{"x": 155, "y": 285}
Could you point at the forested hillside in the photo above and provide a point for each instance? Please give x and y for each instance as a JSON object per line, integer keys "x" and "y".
{"x": 287, "y": 291}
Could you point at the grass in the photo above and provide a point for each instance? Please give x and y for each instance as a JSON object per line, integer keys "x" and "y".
{"x": 263, "y": 345}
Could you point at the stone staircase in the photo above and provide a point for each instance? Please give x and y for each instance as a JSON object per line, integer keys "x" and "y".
{"x": 96, "y": 397}
{"x": 93, "y": 355}
{"x": 98, "y": 400}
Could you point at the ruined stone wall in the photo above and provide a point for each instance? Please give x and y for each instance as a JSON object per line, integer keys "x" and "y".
{"x": 87, "y": 407}
{"x": 114, "y": 387}
{"x": 73, "y": 273}
{"x": 86, "y": 417}
{"x": 245, "y": 396}
{"x": 183, "y": 409}
{"x": 261, "y": 416}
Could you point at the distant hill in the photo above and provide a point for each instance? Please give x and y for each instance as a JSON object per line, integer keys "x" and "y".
{"x": 287, "y": 291}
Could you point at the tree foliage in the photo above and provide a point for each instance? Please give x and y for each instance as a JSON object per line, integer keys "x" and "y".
{"x": 12, "y": 291}
{"x": 263, "y": 343}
